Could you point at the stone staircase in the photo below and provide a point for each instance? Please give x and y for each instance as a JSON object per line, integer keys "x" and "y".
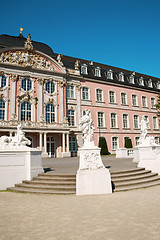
{"x": 48, "y": 183}
{"x": 134, "y": 179}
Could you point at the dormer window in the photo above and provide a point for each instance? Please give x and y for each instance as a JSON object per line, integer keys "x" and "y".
{"x": 84, "y": 69}
{"x": 158, "y": 85}
{"x": 110, "y": 74}
{"x": 121, "y": 77}
{"x": 97, "y": 72}
{"x": 141, "y": 81}
{"x": 131, "y": 79}
{"x": 150, "y": 83}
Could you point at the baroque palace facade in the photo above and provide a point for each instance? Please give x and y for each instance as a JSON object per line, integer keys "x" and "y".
{"x": 49, "y": 93}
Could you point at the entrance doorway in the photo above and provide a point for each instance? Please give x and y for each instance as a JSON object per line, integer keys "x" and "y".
{"x": 51, "y": 147}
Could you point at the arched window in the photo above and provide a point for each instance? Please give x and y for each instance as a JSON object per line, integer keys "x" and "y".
{"x": 2, "y": 109}
{"x": 50, "y": 87}
{"x": 2, "y": 81}
{"x": 26, "y": 84}
{"x": 25, "y": 111}
{"x": 50, "y": 113}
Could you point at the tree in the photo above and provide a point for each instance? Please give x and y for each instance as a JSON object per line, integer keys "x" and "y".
{"x": 128, "y": 143}
{"x": 103, "y": 146}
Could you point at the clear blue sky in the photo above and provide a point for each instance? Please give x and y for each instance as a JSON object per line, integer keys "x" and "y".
{"x": 120, "y": 33}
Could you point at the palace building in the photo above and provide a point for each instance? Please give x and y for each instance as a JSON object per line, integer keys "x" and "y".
{"x": 49, "y": 92}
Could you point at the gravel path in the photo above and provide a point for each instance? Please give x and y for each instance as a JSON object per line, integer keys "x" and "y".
{"x": 119, "y": 216}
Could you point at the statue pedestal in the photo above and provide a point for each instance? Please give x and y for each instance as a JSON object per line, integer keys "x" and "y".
{"x": 92, "y": 177}
{"x": 17, "y": 165}
{"x": 148, "y": 157}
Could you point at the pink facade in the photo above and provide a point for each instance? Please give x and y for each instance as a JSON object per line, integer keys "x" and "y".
{"x": 49, "y": 93}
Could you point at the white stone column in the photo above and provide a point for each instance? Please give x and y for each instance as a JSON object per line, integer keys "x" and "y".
{"x": 40, "y": 100}
{"x": 67, "y": 142}
{"x": 40, "y": 141}
{"x": 63, "y": 142}
{"x": 45, "y": 143}
{"x": 61, "y": 104}
{"x": 78, "y": 104}
{"x": 12, "y": 98}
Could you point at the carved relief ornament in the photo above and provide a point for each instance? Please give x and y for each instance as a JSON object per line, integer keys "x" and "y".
{"x": 26, "y": 59}
{"x": 13, "y": 77}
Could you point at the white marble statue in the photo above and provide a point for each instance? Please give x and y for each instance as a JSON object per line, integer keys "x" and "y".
{"x": 144, "y": 139}
{"x": 86, "y": 125}
{"x": 144, "y": 128}
{"x": 19, "y": 140}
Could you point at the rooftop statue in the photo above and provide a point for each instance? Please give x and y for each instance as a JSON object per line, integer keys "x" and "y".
{"x": 19, "y": 140}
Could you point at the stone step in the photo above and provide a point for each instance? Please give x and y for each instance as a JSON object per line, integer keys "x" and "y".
{"x": 57, "y": 188}
{"x": 134, "y": 177}
{"x": 51, "y": 183}
{"x": 129, "y": 173}
{"x": 144, "y": 185}
{"x": 61, "y": 176}
{"x": 136, "y": 182}
{"x": 40, "y": 191}
{"x": 51, "y": 179}
{"x": 56, "y": 178}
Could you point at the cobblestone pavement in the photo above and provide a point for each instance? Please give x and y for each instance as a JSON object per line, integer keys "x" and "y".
{"x": 118, "y": 216}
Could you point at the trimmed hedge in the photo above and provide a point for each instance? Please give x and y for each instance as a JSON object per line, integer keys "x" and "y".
{"x": 103, "y": 145}
{"x": 128, "y": 143}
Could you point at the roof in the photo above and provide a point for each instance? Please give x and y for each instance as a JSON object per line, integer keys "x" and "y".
{"x": 19, "y": 41}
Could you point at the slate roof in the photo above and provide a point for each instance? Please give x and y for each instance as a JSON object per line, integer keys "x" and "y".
{"x": 13, "y": 41}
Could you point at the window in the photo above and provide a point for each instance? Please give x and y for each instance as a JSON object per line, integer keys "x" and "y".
{"x": 72, "y": 144}
{"x": 26, "y": 84}
{"x": 114, "y": 120}
{"x": 50, "y": 113}
{"x": 131, "y": 79}
{"x": 70, "y": 115}
{"x": 125, "y": 121}
{"x": 2, "y": 109}
{"x": 2, "y": 81}
{"x": 136, "y": 141}
{"x": 141, "y": 81}
{"x": 100, "y": 119}
{"x": 153, "y": 102}
{"x": 112, "y": 98}
{"x": 155, "y": 123}
{"x": 157, "y": 140}
{"x": 150, "y": 83}
{"x": 114, "y": 143}
{"x": 70, "y": 91}
{"x": 134, "y": 100}
{"x": 99, "y": 95}
{"x": 144, "y": 101}
{"x": 50, "y": 87}
{"x": 97, "y": 72}
{"x": 85, "y": 93}
{"x": 25, "y": 111}
{"x": 121, "y": 77}
{"x": 136, "y": 121}
{"x": 84, "y": 69}
{"x": 123, "y": 99}
{"x": 110, "y": 74}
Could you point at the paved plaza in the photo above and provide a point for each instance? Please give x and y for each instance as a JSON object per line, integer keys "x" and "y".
{"x": 121, "y": 215}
